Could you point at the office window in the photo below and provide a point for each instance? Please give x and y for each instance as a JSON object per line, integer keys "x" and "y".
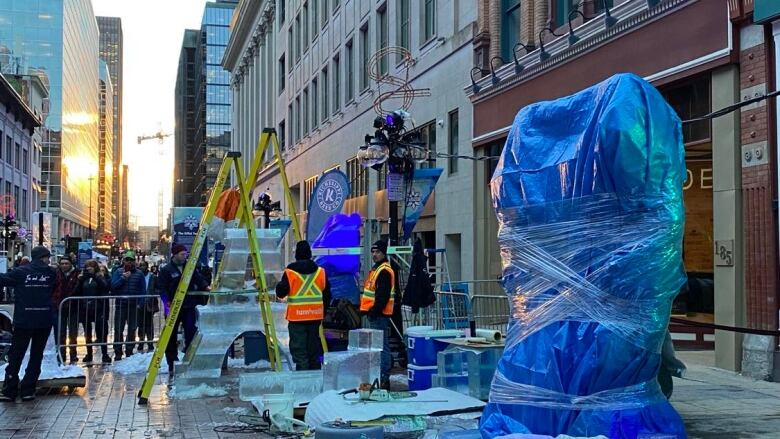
{"x": 290, "y": 48}
{"x": 18, "y": 156}
{"x": 315, "y": 99}
{"x": 18, "y": 202}
{"x": 315, "y": 20}
{"x": 291, "y": 118}
{"x": 382, "y": 39}
{"x": 349, "y": 73}
{"x": 282, "y": 75}
{"x": 26, "y": 158}
{"x": 325, "y": 103}
{"x": 308, "y": 188}
{"x": 297, "y": 119}
{"x": 280, "y": 7}
{"x": 282, "y": 136}
{"x": 403, "y": 24}
{"x": 1, "y": 144}
{"x": 510, "y": 27}
{"x": 24, "y": 205}
{"x": 324, "y": 12}
{"x": 305, "y": 112}
{"x": 365, "y": 54}
{"x": 298, "y": 38}
{"x": 9, "y": 156}
{"x": 429, "y": 17}
{"x": 336, "y": 85}
{"x": 452, "y": 141}
{"x": 305, "y": 27}
{"x": 562, "y": 10}
{"x": 428, "y": 138}
{"x": 358, "y": 178}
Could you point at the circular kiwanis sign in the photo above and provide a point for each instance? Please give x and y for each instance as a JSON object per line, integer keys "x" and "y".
{"x": 330, "y": 195}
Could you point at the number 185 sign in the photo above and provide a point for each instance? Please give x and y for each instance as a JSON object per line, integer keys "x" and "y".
{"x": 724, "y": 253}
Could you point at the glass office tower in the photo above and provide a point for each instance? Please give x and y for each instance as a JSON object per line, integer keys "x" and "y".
{"x": 58, "y": 41}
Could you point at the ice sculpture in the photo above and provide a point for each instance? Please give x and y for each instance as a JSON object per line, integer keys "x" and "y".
{"x": 588, "y": 193}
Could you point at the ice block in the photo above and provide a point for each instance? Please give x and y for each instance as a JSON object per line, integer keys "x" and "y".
{"x": 453, "y": 362}
{"x": 305, "y": 385}
{"x": 349, "y": 369}
{"x": 366, "y": 339}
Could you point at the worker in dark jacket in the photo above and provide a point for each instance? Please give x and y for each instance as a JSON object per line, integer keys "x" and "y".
{"x": 306, "y": 287}
{"x": 34, "y": 286}
{"x": 167, "y": 282}
{"x": 127, "y": 280}
{"x": 93, "y": 284}
{"x": 377, "y": 302}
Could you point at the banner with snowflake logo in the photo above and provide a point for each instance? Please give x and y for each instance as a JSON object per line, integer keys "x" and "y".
{"x": 417, "y": 194}
{"x": 186, "y": 222}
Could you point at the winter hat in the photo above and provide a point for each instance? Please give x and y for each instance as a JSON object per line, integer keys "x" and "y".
{"x": 302, "y": 250}
{"x": 39, "y": 252}
{"x": 129, "y": 255}
{"x": 381, "y": 246}
{"x": 178, "y": 248}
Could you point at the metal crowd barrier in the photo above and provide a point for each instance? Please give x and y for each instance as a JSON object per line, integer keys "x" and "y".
{"x": 491, "y": 312}
{"x": 123, "y": 323}
{"x": 454, "y": 310}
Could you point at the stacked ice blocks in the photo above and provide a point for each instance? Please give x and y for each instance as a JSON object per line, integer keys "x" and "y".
{"x": 359, "y": 364}
{"x": 235, "y": 260}
{"x": 305, "y": 385}
{"x": 467, "y": 370}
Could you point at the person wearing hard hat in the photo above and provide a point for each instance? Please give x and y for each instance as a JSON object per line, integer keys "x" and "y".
{"x": 306, "y": 287}
{"x": 377, "y": 302}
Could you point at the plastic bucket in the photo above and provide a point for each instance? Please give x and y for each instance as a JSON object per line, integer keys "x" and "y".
{"x": 281, "y": 404}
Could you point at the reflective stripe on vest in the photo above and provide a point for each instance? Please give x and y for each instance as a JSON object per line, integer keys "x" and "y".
{"x": 305, "y": 300}
{"x": 369, "y": 290}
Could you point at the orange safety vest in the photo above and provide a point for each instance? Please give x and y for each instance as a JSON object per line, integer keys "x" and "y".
{"x": 305, "y": 300}
{"x": 369, "y": 290}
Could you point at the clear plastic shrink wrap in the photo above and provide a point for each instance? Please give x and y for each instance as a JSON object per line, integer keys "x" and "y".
{"x": 588, "y": 194}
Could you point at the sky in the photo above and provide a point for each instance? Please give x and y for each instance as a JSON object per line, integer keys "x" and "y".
{"x": 153, "y": 32}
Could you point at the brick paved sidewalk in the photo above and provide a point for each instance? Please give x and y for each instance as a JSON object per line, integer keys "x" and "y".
{"x": 107, "y": 408}
{"x": 718, "y": 404}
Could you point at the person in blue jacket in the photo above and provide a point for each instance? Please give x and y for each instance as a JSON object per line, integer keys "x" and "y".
{"x": 127, "y": 280}
{"x": 167, "y": 282}
{"x": 33, "y": 287}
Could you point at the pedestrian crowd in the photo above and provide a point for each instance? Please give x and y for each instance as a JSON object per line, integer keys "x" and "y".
{"x": 66, "y": 300}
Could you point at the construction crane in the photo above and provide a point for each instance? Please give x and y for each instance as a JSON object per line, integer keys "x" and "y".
{"x": 160, "y": 136}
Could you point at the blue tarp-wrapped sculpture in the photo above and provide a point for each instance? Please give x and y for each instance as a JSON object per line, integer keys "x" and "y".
{"x": 588, "y": 193}
{"x": 341, "y": 231}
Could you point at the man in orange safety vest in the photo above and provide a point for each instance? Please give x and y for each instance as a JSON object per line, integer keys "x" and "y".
{"x": 377, "y": 302}
{"x": 308, "y": 293}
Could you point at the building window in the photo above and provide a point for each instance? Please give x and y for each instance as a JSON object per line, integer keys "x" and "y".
{"x": 315, "y": 20}
{"x": 429, "y": 19}
{"x": 428, "y": 138}
{"x": 336, "y": 85}
{"x": 18, "y": 202}
{"x": 17, "y": 156}
{"x": 308, "y": 189}
{"x": 382, "y": 178}
{"x": 1, "y": 144}
{"x": 350, "y": 71}
{"x": 452, "y": 141}
{"x": 305, "y": 27}
{"x": 280, "y": 7}
{"x": 282, "y": 136}
{"x": 336, "y": 4}
{"x": 24, "y": 205}
{"x": 324, "y": 12}
{"x": 382, "y": 39}
{"x": 282, "y": 75}
{"x": 297, "y": 119}
{"x": 290, "y": 48}
{"x": 305, "y": 112}
{"x": 315, "y": 109}
{"x": 562, "y": 10}
{"x": 510, "y": 27}
{"x": 600, "y": 5}
{"x": 26, "y": 158}
{"x": 365, "y": 53}
{"x": 325, "y": 103}
{"x": 358, "y": 178}
{"x": 691, "y": 99}
{"x": 291, "y": 118}
{"x": 9, "y": 156}
{"x": 403, "y": 24}
{"x": 298, "y": 38}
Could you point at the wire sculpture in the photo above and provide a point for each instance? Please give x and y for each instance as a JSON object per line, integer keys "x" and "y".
{"x": 400, "y": 87}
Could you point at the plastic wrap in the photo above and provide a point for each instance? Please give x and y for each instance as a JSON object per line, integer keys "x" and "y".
{"x": 588, "y": 194}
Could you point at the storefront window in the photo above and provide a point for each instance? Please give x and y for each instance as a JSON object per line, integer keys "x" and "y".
{"x": 692, "y": 99}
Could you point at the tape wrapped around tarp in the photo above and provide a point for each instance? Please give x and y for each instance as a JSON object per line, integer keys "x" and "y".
{"x": 588, "y": 195}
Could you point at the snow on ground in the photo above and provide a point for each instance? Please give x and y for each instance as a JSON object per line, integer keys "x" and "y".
{"x": 238, "y": 363}
{"x": 236, "y": 411}
{"x": 139, "y": 363}
{"x": 200, "y": 391}
{"x": 49, "y": 367}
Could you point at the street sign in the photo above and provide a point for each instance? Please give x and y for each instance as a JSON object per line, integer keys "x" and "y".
{"x": 395, "y": 187}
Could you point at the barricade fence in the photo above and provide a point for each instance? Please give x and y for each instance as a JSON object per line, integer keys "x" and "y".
{"x": 123, "y": 323}
{"x": 454, "y": 310}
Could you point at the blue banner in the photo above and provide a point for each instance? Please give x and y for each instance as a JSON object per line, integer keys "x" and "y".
{"x": 186, "y": 221}
{"x": 327, "y": 199}
{"x": 422, "y": 185}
